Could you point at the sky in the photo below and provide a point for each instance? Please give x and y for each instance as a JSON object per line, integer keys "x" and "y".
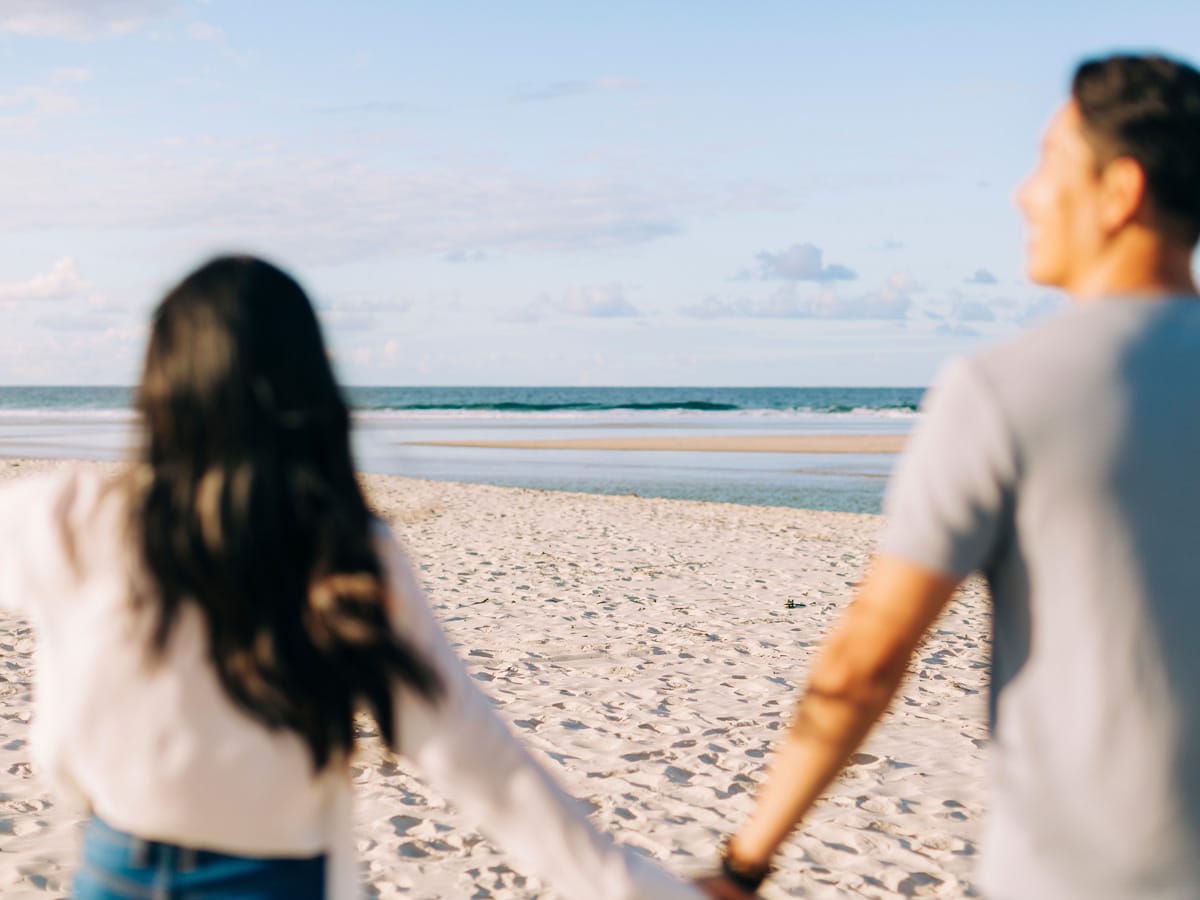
{"x": 537, "y": 193}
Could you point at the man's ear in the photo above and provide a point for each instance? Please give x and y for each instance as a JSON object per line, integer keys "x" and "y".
{"x": 1122, "y": 193}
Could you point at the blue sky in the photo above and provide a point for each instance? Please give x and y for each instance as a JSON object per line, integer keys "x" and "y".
{"x": 541, "y": 193}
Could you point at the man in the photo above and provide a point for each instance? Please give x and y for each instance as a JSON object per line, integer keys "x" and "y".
{"x": 1064, "y": 466}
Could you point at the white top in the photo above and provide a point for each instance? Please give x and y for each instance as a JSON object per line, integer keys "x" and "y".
{"x": 161, "y": 752}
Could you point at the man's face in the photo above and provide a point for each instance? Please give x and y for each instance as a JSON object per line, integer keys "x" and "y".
{"x": 1060, "y": 201}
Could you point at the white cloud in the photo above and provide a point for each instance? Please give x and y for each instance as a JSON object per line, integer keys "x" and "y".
{"x": 972, "y": 311}
{"x": 26, "y": 108}
{"x": 891, "y": 301}
{"x": 75, "y": 322}
{"x": 576, "y": 88}
{"x": 360, "y": 315}
{"x": 956, "y": 329}
{"x": 71, "y": 75}
{"x": 464, "y": 256}
{"x": 62, "y": 282}
{"x": 77, "y": 18}
{"x": 714, "y": 308}
{"x": 96, "y": 314}
{"x": 600, "y": 302}
{"x": 203, "y": 31}
{"x": 332, "y": 208}
{"x": 533, "y": 311}
{"x": 606, "y": 301}
{"x": 982, "y": 276}
{"x": 801, "y": 262}
{"x": 103, "y": 355}
{"x": 1040, "y": 308}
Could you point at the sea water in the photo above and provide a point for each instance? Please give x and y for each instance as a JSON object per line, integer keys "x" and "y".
{"x": 392, "y": 423}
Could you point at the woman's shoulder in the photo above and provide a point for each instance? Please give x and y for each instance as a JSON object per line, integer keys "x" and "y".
{"x": 81, "y": 493}
{"x": 58, "y": 522}
{"x": 63, "y": 490}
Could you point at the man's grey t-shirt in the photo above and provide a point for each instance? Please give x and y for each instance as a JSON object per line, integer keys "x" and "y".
{"x": 1065, "y": 465}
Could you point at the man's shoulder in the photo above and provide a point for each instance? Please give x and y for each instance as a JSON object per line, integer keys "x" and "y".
{"x": 1087, "y": 333}
{"x": 1041, "y": 343}
{"x": 1073, "y": 348}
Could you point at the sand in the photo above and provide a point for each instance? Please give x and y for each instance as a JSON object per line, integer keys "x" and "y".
{"x": 734, "y": 443}
{"x": 646, "y": 649}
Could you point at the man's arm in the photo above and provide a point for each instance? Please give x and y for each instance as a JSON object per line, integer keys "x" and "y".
{"x": 851, "y": 684}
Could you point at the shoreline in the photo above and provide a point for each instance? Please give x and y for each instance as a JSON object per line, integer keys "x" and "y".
{"x": 749, "y": 443}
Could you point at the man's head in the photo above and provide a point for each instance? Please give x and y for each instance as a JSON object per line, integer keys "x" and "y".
{"x": 1122, "y": 155}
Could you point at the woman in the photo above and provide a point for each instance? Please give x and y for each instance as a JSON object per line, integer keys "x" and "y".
{"x": 209, "y": 622}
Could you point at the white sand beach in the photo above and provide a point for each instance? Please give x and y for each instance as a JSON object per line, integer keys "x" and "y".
{"x": 647, "y": 650}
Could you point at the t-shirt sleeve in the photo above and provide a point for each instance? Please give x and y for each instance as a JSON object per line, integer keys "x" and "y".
{"x": 951, "y": 491}
{"x": 465, "y": 751}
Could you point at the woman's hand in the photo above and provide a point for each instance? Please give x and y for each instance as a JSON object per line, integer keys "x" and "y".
{"x": 719, "y": 887}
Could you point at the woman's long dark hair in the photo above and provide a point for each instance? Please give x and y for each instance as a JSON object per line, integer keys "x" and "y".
{"x": 248, "y": 508}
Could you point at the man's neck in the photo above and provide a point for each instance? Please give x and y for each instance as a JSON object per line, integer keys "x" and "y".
{"x": 1137, "y": 267}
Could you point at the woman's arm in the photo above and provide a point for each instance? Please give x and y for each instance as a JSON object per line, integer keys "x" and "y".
{"x": 37, "y": 517}
{"x": 467, "y": 752}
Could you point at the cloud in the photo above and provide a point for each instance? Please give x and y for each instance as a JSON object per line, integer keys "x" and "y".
{"x": 77, "y": 18}
{"x": 606, "y": 301}
{"x": 73, "y": 300}
{"x": 576, "y": 88}
{"x": 956, "y": 329}
{"x": 385, "y": 107}
{"x": 972, "y": 311}
{"x": 62, "y": 282}
{"x": 26, "y": 108}
{"x": 464, "y": 256}
{"x": 1039, "y": 309}
{"x": 360, "y": 315}
{"x": 333, "y": 208}
{"x": 714, "y": 308}
{"x": 70, "y": 75}
{"x": 534, "y": 311}
{"x": 603, "y": 302}
{"x": 203, "y": 31}
{"x": 101, "y": 355}
{"x": 890, "y": 302}
{"x": 981, "y": 276}
{"x": 801, "y": 262}
{"x": 957, "y": 310}
{"x": 91, "y": 321}
{"x": 757, "y": 194}
{"x": 893, "y": 245}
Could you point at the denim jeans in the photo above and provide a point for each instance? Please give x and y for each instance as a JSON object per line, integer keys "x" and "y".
{"x": 119, "y": 866}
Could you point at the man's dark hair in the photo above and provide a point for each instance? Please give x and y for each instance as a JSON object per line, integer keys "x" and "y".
{"x": 1147, "y": 108}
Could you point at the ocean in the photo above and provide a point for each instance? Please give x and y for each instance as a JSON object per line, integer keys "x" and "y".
{"x": 391, "y": 423}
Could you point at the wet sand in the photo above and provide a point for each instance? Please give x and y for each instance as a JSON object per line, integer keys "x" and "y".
{"x": 748, "y": 443}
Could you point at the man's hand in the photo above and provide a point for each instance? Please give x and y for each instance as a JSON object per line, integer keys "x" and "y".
{"x": 721, "y": 888}
{"x": 850, "y": 685}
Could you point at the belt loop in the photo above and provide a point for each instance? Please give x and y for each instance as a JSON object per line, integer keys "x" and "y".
{"x": 164, "y": 875}
{"x": 187, "y": 859}
{"x": 139, "y": 852}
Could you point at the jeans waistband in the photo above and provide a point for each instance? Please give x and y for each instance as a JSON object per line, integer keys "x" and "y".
{"x": 141, "y": 852}
{"x": 116, "y": 863}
